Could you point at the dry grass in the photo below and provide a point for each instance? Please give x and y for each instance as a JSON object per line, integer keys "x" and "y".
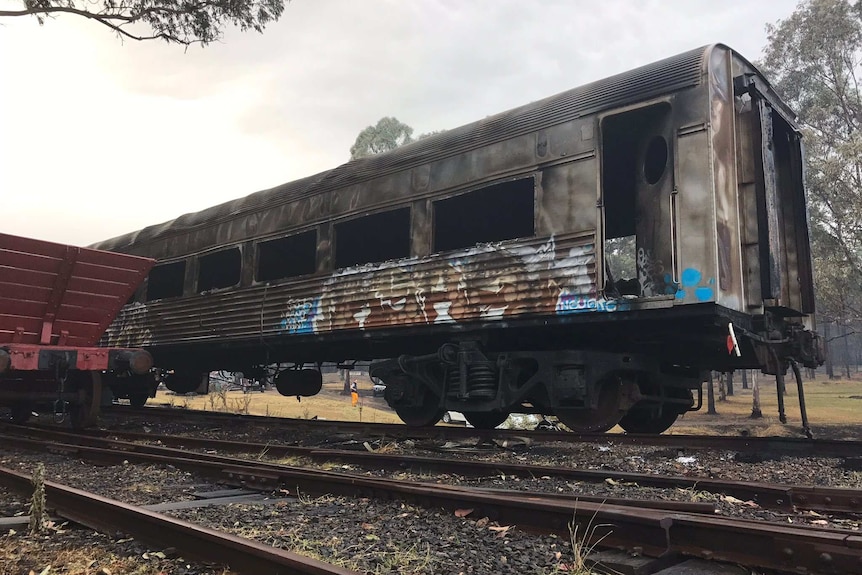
{"x": 56, "y": 554}
{"x": 830, "y": 403}
{"x": 329, "y": 404}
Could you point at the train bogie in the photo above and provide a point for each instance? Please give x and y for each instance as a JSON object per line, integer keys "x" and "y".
{"x": 590, "y": 255}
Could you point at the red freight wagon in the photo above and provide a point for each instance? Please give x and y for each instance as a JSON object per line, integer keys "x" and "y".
{"x": 55, "y": 303}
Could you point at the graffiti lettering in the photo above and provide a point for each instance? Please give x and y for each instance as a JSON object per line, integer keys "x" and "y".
{"x": 301, "y": 315}
{"x": 574, "y": 303}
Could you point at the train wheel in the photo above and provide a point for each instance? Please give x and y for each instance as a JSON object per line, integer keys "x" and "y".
{"x": 648, "y": 421}
{"x": 138, "y": 400}
{"x": 598, "y": 420}
{"x": 424, "y": 415}
{"x": 84, "y": 414}
{"x": 485, "y": 419}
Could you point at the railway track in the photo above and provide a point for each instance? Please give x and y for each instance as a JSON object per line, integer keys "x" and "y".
{"x": 109, "y": 516}
{"x": 793, "y": 446}
{"x": 772, "y": 496}
{"x": 646, "y": 530}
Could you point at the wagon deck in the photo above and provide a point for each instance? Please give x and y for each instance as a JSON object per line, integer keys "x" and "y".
{"x": 55, "y": 302}
{"x": 54, "y": 294}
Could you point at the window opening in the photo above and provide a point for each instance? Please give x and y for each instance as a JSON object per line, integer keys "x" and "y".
{"x": 655, "y": 159}
{"x": 375, "y": 238}
{"x": 219, "y": 270}
{"x": 166, "y": 280}
{"x": 287, "y": 257}
{"x": 621, "y": 264}
{"x": 495, "y": 213}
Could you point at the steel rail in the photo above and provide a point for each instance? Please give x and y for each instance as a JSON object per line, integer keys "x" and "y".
{"x": 769, "y": 495}
{"x": 648, "y": 531}
{"x": 794, "y": 446}
{"x": 111, "y": 516}
{"x": 269, "y": 476}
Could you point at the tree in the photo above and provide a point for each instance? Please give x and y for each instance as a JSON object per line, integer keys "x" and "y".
{"x": 429, "y": 134}
{"x": 710, "y": 395}
{"x": 756, "y": 413}
{"x": 387, "y": 135}
{"x": 814, "y": 59}
{"x": 174, "y": 21}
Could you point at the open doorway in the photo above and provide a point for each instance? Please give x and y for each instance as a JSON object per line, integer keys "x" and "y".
{"x": 636, "y": 185}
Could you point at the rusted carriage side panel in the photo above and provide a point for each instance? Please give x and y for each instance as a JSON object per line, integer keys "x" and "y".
{"x": 493, "y": 282}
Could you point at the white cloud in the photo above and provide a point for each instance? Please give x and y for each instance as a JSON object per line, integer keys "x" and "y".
{"x": 99, "y": 137}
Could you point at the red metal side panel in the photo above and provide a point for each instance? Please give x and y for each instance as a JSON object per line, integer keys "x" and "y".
{"x": 57, "y": 294}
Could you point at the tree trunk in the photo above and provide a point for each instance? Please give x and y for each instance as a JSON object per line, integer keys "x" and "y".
{"x": 346, "y": 389}
{"x": 710, "y": 396}
{"x": 846, "y": 339}
{"x": 722, "y": 389}
{"x": 755, "y": 398}
{"x": 744, "y": 379}
{"x": 730, "y": 383}
{"x": 827, "y": 345}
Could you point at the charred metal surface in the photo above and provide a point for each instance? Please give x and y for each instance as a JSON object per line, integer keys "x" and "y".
{"x": 692, "y": 160}
{"x": 726, "y": 191}
{"x": 801, "y": 219}
{"x": 437, "y": 160}
{"x": 768, "y": 218}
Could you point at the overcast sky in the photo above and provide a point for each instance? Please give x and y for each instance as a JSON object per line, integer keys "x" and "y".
{"x": 100, "y": 137}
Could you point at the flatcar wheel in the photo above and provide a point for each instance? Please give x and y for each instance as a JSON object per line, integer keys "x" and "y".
{"x": 21, "y": 412}
{"x": 485, "y": 419}
{"x": 605, "y": 416}
{"x": 84, "y": 414}
{"x": 138, "y": 400}
{"x": 648, "y": 421}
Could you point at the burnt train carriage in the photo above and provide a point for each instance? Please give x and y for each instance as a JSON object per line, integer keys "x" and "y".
{"x": 586, "y": 255}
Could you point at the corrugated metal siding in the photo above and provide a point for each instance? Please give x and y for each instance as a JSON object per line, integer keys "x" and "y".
{"x": 648, "y": 81}
{"x": 488, "y": 282}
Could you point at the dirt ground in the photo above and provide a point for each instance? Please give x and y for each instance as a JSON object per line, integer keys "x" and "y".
{"x": 834, "y": 407}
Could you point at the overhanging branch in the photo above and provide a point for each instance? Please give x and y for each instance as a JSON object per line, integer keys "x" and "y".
{"x": 121, "y": 16}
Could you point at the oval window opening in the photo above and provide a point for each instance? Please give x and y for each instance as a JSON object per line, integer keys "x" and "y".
{"x": 655, "y": 159}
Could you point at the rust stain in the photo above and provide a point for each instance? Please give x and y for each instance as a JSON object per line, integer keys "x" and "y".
{"x": 491, "y": 282}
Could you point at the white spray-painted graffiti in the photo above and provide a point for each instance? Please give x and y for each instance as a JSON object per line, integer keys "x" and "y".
{"x": 489, "y": 282}
{"x": 574, "y": 303}
{"x": 131, "y": 328}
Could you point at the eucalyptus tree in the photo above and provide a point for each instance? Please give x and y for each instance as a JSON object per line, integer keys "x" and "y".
{"x": 174, "y": 21}
{"x": 814, "y": 59}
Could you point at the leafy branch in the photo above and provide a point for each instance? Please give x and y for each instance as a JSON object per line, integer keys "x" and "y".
{"x": 182, "y": 22}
